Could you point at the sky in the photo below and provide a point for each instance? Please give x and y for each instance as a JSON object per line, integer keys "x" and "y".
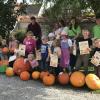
{"x": 19, "y": 1}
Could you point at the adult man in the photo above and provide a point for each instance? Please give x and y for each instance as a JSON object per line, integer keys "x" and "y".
{"x": 36, "y": 29}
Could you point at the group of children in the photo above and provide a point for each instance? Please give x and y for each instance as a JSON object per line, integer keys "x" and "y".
{"x": 65, "y": 50}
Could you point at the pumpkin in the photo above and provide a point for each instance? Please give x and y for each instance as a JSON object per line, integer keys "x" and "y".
{"x": 36, "y": 75}
{"x": 25, "y": 76}
{"x": 63, "y": 78}
{"x": 49, "y": 79}
{"x": 77, "y": 79}
{"x": 92, "y": 81}
{"x": 5, "y": 50}
{"x": 4, "y": 62}
{"x": 43, "y": 73}
{"x": 9, "y": 71}
{"x": 20, "y": 65}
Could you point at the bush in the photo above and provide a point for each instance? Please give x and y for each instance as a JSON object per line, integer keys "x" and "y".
{"x": 20, "y": 35}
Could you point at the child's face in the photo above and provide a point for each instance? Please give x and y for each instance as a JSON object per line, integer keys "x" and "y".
{"x": 51, "y": 38}
{"x": 63, "y": 37}
{"x": 85, "y": 33}
{"x": 30, "y": 58}
{"x": 29, "y": 36}
{"x": 44, "y": 41}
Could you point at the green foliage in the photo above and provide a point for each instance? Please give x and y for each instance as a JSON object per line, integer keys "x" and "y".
{"x": 8, "y": 16}
{"x": 67, "y": 8}
{"x": 20, "y": 35}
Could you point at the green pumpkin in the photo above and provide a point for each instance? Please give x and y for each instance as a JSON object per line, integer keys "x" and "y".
{"x": 3, "y": 68}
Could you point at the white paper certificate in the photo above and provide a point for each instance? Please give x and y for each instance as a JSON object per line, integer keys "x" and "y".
{"x": 21, "y": 51}
{"x": 12, "y": 58}
{"x": 96, "y": 59}
{"x": 83, "y": 46}
{"x": 38, "y": 55}
{"x": 53, "y": 60}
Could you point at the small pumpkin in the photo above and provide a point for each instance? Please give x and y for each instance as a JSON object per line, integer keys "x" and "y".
{"x": 49, "y": 79}
{"x": 5, "y": 50}
{"x": 4, "y": 62}
{"x": 20, "y": 65}
{"x": 77, "y": 79}
{"x": 25, "y": 76}
{"x": 43, "y": 73}
{"x": 36, "y": 75}
{"x": 92, "y": 81}
{"x": 9, "y": 72}
{"x": 63, "y": 78}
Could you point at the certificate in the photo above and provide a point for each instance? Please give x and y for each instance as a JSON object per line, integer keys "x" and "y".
{"x": 96, "y": 59}
{"x": 83, "y": 46}
{"x": 38, "y": 55}
{"x": 12, "y": 58}
{"x": 53, "y": 60}
{"x": 21, "y": 50}
{"x": 74, "y": 50}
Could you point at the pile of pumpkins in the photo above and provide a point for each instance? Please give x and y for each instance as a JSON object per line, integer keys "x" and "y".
{"x": 76, "y": 79}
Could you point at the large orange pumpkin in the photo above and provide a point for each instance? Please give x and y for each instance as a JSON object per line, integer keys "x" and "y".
{"x": 20, "y": 65}
{"x": 49, "y": 80}
{"x": 9, "y": 71}
{"x": 36, "y": 75}
{"x": 77, "y": 79}
{"x": 25, "y": 76}
{"x": 5, "y": 50}
{"x": 63, "y": 78}
{"x": 92, "y": 81}
{"x": 43, "y": 73}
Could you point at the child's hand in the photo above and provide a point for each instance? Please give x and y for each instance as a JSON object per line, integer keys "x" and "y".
{"x": 88, "y": 49}
{"x": 25, "y": 60}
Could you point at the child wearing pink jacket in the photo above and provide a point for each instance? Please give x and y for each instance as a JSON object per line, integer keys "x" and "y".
{"x": 30, "y": 43}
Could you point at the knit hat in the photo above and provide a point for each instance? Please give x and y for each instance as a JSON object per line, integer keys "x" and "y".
{"x": 51, "y": 35}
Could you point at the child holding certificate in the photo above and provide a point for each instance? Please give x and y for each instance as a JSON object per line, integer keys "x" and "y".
{"x": 96, "y": 57}
{"x": 83, "y": 46}
{"x": 55, "y": 52}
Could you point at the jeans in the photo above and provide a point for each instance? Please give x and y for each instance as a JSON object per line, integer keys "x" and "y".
{"x": 43, "y": 65}
{"x": 82, "y": 59}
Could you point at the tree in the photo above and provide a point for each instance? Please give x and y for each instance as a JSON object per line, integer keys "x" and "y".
{"x": 95, "y": 4}
{"x": 8, "y": 16}
{"x": 70, "y": 7}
